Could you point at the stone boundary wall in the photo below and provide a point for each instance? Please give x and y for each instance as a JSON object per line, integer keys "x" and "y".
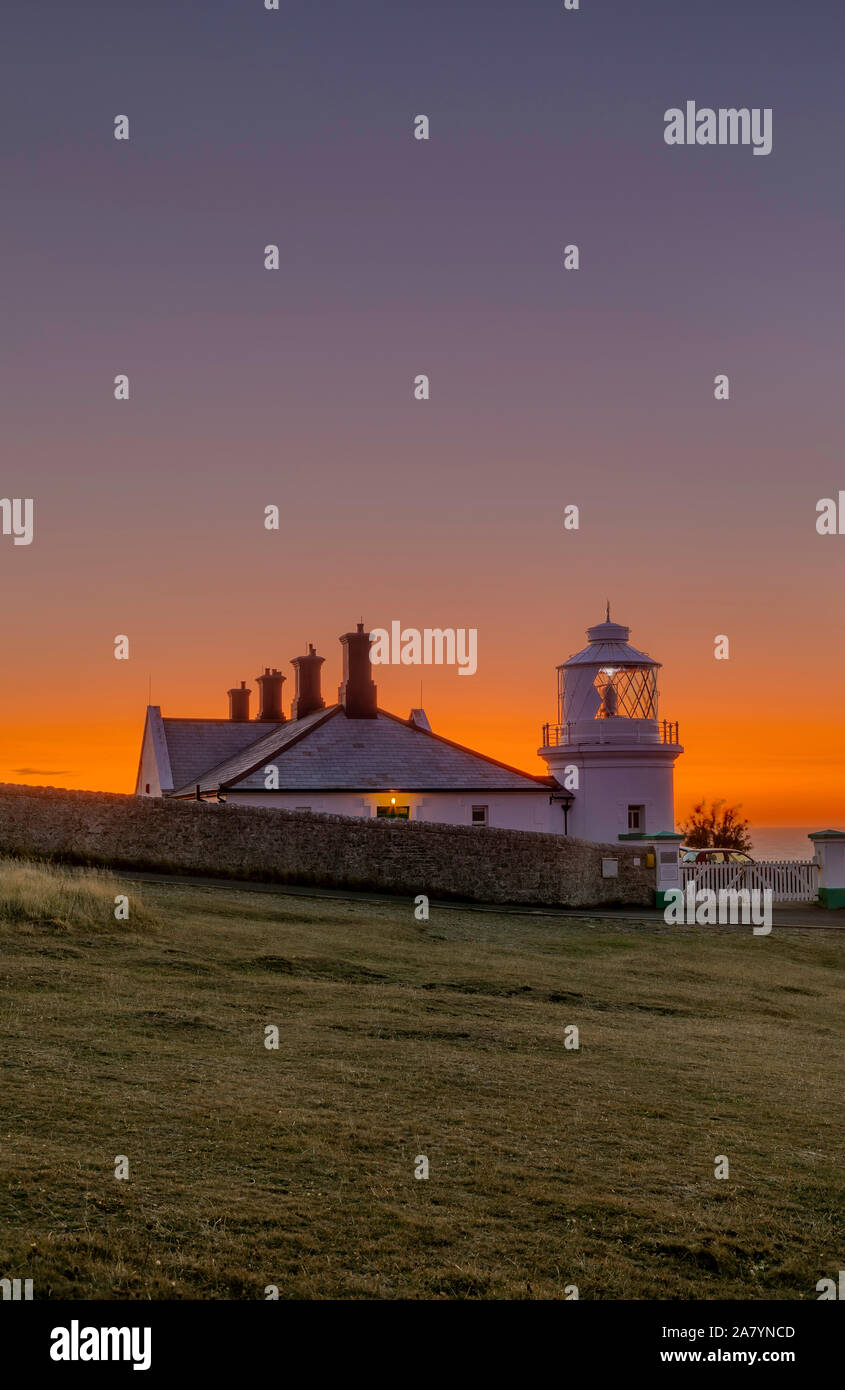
{"x": 408, "y": 857}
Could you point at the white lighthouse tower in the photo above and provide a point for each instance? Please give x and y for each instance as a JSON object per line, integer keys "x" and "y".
{"x": 613, "y": 758}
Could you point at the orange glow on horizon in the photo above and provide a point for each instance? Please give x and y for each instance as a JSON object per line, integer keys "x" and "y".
{"x": 798, "y": 785}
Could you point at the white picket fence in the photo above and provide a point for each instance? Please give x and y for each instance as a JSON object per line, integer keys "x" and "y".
{"x": 791, "y": 880}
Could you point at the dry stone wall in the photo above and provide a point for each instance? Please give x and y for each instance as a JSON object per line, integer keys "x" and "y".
{"x": 442, "y": 861}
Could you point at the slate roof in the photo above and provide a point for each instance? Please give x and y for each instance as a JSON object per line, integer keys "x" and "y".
{"x": 326, "y": 751}
{"x": 197, "y": 744}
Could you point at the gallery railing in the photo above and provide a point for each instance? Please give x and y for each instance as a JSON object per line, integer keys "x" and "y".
{"x": 556, "y": 734}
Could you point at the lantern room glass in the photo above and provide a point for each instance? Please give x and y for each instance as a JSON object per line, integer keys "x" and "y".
{"x": 629, "y": 692}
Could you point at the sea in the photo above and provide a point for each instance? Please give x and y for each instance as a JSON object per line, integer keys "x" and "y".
{"x": 782, "y": 841}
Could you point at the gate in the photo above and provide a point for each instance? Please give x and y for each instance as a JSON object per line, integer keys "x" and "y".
{"x": 791, "y": 880}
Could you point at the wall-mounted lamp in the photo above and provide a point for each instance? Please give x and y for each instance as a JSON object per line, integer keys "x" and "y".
{"x": 566, "y": 801}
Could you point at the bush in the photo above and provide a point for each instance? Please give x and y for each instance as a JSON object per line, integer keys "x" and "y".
{"x": 36, "y": 892}
{"x": 718, "y": 826}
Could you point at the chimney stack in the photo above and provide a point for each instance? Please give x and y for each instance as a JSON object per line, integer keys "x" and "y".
{"x": 239, "y": 703}
{"x": 358, "y": 693}
{"x": 308, "y": 697}
{"x": 270, "y": 687}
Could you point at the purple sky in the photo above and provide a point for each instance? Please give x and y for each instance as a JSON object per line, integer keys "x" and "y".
{"x": 399, "y": 257}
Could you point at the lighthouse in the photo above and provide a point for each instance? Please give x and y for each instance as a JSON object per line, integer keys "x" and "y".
{"x": 611, "y": 755}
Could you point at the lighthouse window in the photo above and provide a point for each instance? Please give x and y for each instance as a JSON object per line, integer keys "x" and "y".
{"x": 480, "y": 815}
{"x": 636, "y": 817}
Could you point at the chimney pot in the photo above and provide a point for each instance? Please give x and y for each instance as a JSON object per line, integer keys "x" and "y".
{"x": 308, "y": 696}
{"x": 270, "y": 686}
{"x": 239, "y": 703}
{"x": 358, "y": 693}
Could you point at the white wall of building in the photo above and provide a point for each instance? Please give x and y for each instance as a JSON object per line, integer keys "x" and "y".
{"x": 526, "y": 810}
{"x": 612, "y": 780}
{"x": 154, "y": 758}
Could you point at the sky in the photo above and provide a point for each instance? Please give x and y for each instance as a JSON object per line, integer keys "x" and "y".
{"x": 549, "y": 388}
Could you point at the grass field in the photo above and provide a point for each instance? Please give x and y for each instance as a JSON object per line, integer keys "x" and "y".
{"x": 295, "y": 1167}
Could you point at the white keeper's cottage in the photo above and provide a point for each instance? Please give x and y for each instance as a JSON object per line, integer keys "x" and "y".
{"x": 610, "y": 763}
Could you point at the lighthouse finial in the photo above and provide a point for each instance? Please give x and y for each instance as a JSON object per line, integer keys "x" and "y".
{"x": 608, "y": 610}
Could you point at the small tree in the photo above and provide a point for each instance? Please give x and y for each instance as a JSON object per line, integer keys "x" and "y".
{"x": 718, "y": 825}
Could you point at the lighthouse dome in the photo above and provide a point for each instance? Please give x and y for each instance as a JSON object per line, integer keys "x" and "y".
{"x": 609, "y": 645}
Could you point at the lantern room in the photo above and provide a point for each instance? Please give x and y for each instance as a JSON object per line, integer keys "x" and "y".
{"x": 609, "y": 680}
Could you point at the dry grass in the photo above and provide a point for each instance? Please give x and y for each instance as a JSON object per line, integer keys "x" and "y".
{"x": 35, "y": 892}
{"x": 295, "y": 1167}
